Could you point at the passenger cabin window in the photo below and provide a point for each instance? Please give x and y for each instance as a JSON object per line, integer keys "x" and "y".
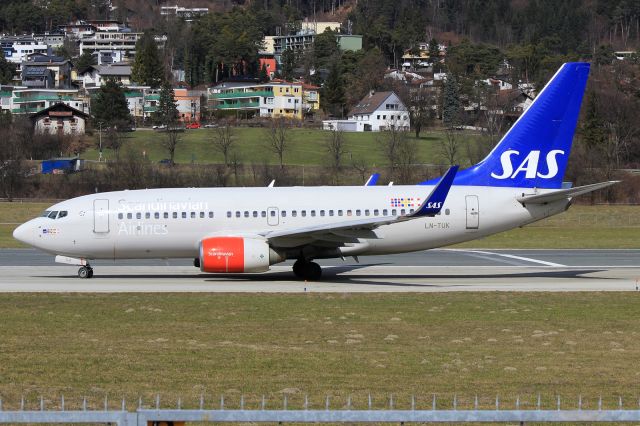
{"x": 294, "y": 213}
{"x": 330, "y": 212}
{"x": 273, "y": 213}
{"x": 210, "y": 215}
{"x": 255, "y": 213}
{"x": 339, "y": 212}
{"x": 237, "y": 214}
{"x": 129, "y": 215}
{"x": 156, "y": 215}
{"x": 303, "y": 213}
{"x": 366, "y": 212}
{"x": 321, "y": 212}
{"x": 246, "y": 213}
{"x": 120, "y": 216}
{"x": 147, "y": 215}
{"x": 175, "y": 215}
{"x": 313, "y": 213}
{"x": 166, "y": 215}
{"x": 385, "y": 212}
{"x": 193, "y": 215}
{"x": 228, "y": 214}
{"x": 184, "y": 215}
{"x": 447, "y": 212}
{"x": 394, "y": 212}
{"x": 376, "y": 212}
{"x": 283, "y": 213}
{"x": 349, "y": 213}
{"x": 403, "y": 212}
{"x": 263, "y": 213}
{"x": 357, "y": 212}
{"x": 201, "y": 215}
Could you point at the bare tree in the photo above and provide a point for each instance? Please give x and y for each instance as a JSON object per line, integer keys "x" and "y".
{"x": 336, "y": 148}
{"x": 450, "y": 146}
{"x": 278, "y": 137}
{"x": 360, "y": 166}
{"x": 400, "y": 151}
{"x": 12, "y": 170}
{"x": 406, "y": 160}
{"x": 171, "y": 140}
{"x": 223, "y": 141}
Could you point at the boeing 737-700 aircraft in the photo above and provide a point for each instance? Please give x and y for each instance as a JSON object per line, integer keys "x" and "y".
{"x": 232, "y": 230}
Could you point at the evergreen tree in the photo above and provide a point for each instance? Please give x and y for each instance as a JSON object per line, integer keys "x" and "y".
{"x": 263, "y": 75}
{"x": 167, "y": 112}
{"x": 85, "y": 60}
{"x": 110, "y": 106}
{"x": 451, "y": 102}
{"x": 333, "y": 91}
{"x": 147, "y": 66}
{"x": 434, "y": 54}
{"x": 593, "y": 129}
{"x": 288, "y": 63}
{"x": 6, "y": 70}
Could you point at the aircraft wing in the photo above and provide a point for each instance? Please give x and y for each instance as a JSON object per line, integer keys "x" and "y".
{"x": 351, "y": 229}
{"x": 563, "y": 193}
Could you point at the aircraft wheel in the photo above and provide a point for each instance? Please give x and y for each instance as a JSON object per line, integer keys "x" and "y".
{"x": 85, "y": 272}
{"x": 314, "y": 271}
{"x": 299, "y": 268}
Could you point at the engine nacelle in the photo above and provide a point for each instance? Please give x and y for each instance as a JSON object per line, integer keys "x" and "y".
{"x": 236, "y": 254}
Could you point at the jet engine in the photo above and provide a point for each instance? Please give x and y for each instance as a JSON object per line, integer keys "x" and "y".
{"x": 236, "y": 254}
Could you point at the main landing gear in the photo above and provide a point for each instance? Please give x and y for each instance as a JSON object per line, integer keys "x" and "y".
{"x": 85, "y": 272}
{"x": 307, "y": 270}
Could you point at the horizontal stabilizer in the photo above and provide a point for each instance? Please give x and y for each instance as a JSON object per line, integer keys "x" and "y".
{"x": 564, "y": 193}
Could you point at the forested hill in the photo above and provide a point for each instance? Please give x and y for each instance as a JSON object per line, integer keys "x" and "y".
{"x": 563, "y": 26}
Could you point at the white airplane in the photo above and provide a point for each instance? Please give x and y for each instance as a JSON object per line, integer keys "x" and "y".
{"x": 234, "y": 230}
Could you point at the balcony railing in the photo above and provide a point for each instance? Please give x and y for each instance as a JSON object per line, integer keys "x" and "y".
{"x": 20, "y": 99}
{"x": 238, "y": 105}
{"x": 233, "y": 95}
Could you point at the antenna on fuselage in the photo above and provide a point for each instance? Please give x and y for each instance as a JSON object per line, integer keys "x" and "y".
{"x": 273, "y": 182}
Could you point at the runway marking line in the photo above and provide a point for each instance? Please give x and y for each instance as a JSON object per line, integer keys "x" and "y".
{"x": 511, "y": 256}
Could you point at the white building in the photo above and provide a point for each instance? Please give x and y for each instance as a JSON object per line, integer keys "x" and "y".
{"x": 186, "y": 13}
{"x": 60, "y": 119}
{"x": 16, "y": 49}
{"x": 110, "y": 47}
{"x": 376, "y": 112}
{"x": 27, "y": 101}
{"x": 97, "y": 75}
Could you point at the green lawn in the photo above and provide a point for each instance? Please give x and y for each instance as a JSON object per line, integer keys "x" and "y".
{"x": 185, "y": 345}
{"x": 307, "y": 147}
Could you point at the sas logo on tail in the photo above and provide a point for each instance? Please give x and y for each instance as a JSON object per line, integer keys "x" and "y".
{"x": 529, "y": 165}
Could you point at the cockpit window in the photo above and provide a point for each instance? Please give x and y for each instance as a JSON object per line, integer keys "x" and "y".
{"x": 46, "y": 213}
{"x": 62, "y": 214}
{"x": 53, "y": 214}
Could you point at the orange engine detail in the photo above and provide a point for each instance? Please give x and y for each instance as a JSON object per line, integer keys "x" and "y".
{"x": 234, "y": 254}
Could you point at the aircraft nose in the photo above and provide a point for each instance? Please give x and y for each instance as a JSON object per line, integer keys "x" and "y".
{"x": 24, "y": 233}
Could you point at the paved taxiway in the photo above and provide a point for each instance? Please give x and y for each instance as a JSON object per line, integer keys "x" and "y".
{"x": 429, "y": 271}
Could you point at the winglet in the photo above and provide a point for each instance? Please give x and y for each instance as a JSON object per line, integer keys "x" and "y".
{"x": 373, "y": 179}
{"x": 434, "y": 202}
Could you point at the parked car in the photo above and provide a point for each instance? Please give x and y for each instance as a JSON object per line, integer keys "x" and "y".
{"x": 210, "y": 126}
{"x": 194, "y": 125}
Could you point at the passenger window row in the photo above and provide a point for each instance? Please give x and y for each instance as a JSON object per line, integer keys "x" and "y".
{"x": 254, "y": 214}
{"x": 166, "y": 215}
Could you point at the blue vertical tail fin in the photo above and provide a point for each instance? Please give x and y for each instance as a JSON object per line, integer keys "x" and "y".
{"x": 534, "y": 152}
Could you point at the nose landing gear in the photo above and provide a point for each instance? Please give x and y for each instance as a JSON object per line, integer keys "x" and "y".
{"x": 307, "y": 270}
{"x": 85, "y": 272}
